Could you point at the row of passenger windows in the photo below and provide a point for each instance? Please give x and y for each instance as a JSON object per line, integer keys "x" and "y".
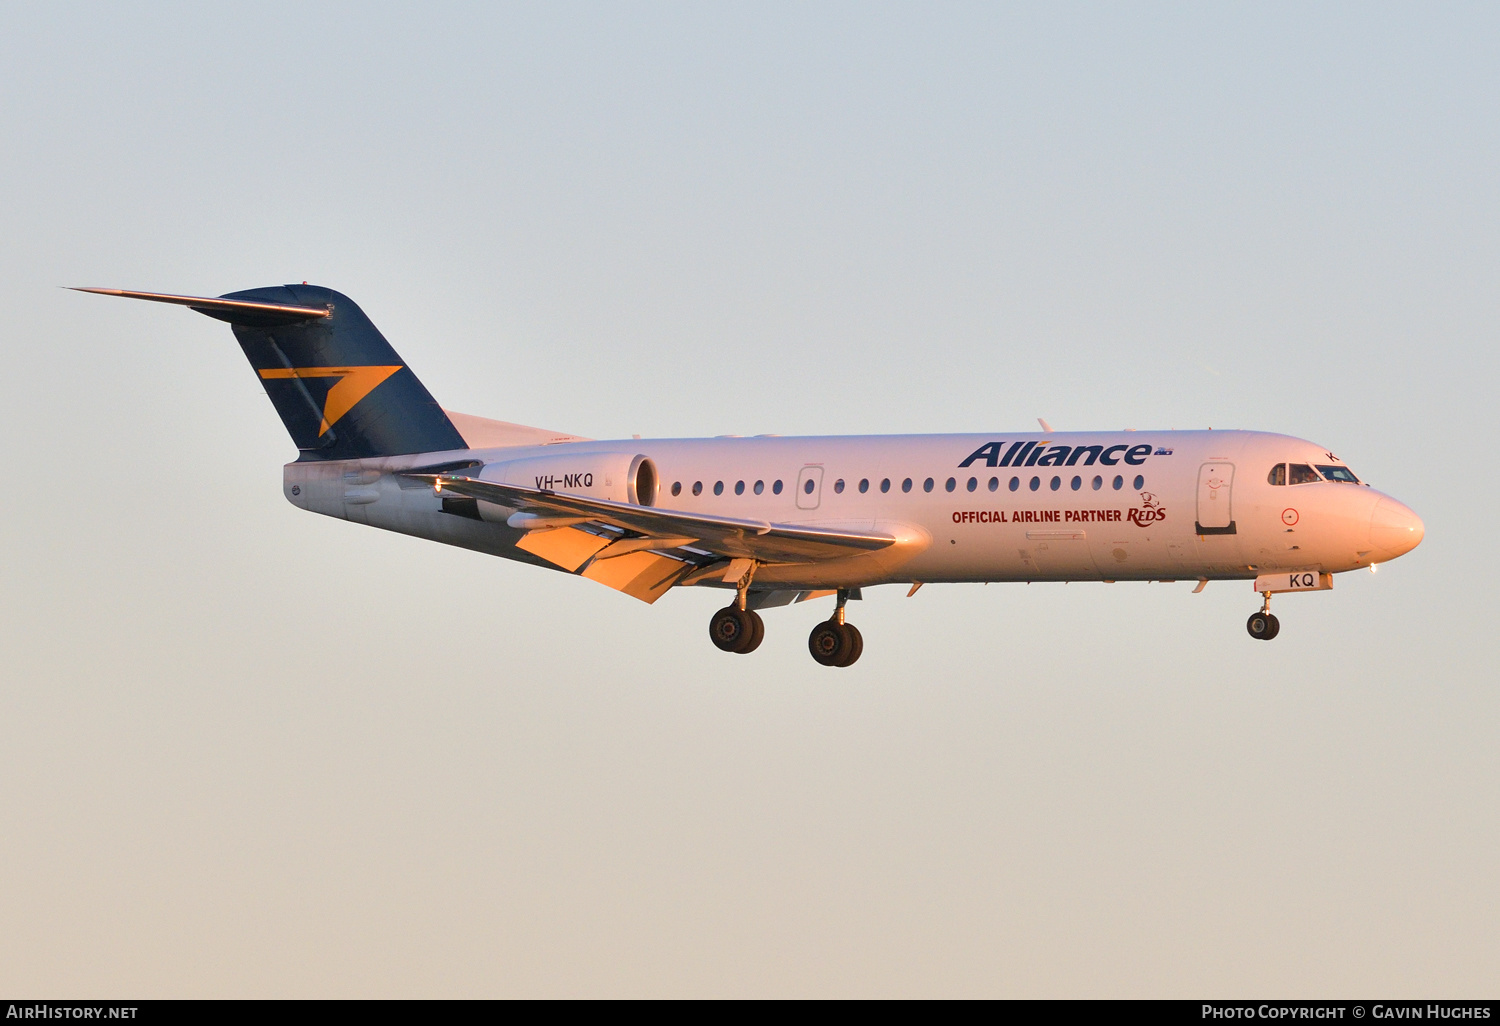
{"x": 1301, "y": 473}
{"x": 739, "y": 487}
{"x": 1035, "y": 484}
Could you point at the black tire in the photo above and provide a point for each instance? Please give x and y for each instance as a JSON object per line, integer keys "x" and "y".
{"x": 730, "y": 628}
{"x": 856, "y": 645}
{"x": 757, "y": 633}
{"x": 1262, "y": 626}
{"x": 829, "y": 643}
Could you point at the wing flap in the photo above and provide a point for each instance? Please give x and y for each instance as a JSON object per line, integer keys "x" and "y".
{"x": 641, "y": 575}
{"x": 625, "y": 546}
{"x": 567, "y": 547}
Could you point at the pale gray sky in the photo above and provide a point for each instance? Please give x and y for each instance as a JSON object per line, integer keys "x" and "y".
{"x": 249, "y": 751}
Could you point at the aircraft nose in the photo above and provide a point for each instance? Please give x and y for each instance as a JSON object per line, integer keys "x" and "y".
{"x": 1394, "y": 529}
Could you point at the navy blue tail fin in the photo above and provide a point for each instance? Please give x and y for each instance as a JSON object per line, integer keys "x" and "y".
{"x": 340, "y": 388}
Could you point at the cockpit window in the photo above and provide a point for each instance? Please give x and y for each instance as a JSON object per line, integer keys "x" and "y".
{"x": 1277, "y": 476}
{"x": 1343, "y": 474}
{"x": 1301, "y": 473}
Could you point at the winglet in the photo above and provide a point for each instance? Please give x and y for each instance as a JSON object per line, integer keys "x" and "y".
{"x": 235, "y": 311}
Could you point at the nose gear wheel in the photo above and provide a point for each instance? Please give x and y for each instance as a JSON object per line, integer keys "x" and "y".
{"x": 1263, "y": 626}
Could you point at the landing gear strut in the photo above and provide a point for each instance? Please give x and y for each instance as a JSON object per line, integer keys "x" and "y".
{"x": 736, "y": 628}
{"x": 834, "y": 642}
{"x": 1262, "y": 625}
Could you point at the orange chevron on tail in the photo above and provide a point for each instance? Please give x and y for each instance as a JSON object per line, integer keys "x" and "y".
{"x": 353, "y": 385}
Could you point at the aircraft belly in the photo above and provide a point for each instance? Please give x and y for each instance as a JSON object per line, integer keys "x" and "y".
{"x": 1004, "y": 552}
{"x": 1057, "y": 550}
{"x": 1062, "y": 555}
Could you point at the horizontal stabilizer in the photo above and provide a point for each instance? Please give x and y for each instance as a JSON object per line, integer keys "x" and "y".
{"x": 235, "y": 311}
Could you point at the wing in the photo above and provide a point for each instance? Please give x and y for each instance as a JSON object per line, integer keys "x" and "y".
{"x": 644, "y": 551}
{"x": 658, "y": 529}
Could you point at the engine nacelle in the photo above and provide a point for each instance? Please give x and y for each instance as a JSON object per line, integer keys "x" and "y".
{"x": 615, "y": 476}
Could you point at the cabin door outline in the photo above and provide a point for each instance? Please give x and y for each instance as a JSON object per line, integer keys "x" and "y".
{"x": 1216, "y": 498}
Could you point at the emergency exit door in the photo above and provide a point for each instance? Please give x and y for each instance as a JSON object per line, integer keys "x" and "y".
{"x": 809, "y": 487}
{"x": 1215, "y": 498}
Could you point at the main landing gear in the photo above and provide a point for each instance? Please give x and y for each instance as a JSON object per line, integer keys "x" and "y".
{"x": 834, "y": 642}
{"x": 1262, "y": 625}
{"x": 736, "y": 628}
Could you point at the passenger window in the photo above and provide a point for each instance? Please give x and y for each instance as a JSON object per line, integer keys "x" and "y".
{"x": 1036, "y": 483}
{"x": 776, "y": 488}
{"x": 1301, "y": 473}
{"x": 1056, "y": 483}
{"x": 885, "y": 484}
{"x": 808, "y": 485}
{"x": 676, "y": 488}
{"x": 994, "y": 483}
{"x": 838, "y": 487}
{"x": 1077, "y": 483}
{"x": 1119, "y": 482}
{"x": 906, "y": 485}
{"x": 951, "y": 484}
{"x": 1015, "y": 483}
{"x": 739, "y": 488}
{"x": 1341, "y": 474}
{"x": 760, "y": 486}
{"x": 718, "y": 487}
{"x": 1140, "y": 482}
{"x": 1098, "y": 482}
{"x": 927, "y": 485}
{"x": 1277, "y": 476}
{"x": 697, "y": 487}
{"x": 973, "y": 483}
{"x": 864, "y": 485}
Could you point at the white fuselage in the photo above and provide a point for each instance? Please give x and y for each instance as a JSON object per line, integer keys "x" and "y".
{"x": 1146, "y": 505}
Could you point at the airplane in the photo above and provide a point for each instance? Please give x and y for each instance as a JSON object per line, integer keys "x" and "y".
{"x": 789, "y": 519}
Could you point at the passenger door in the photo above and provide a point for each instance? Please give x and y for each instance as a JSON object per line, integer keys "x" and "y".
{"x": 1215, "y": 488}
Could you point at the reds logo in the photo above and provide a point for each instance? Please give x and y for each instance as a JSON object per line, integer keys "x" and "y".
{"x": 1151, "y": 511}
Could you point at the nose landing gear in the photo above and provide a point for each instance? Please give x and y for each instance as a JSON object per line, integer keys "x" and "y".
{"x": 834, "y": 642}
{"x": 1262, "y": 625}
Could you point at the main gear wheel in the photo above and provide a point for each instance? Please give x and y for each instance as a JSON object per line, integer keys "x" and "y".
{"x": 835, "y": 644}
{"x": 738, "y": 630}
